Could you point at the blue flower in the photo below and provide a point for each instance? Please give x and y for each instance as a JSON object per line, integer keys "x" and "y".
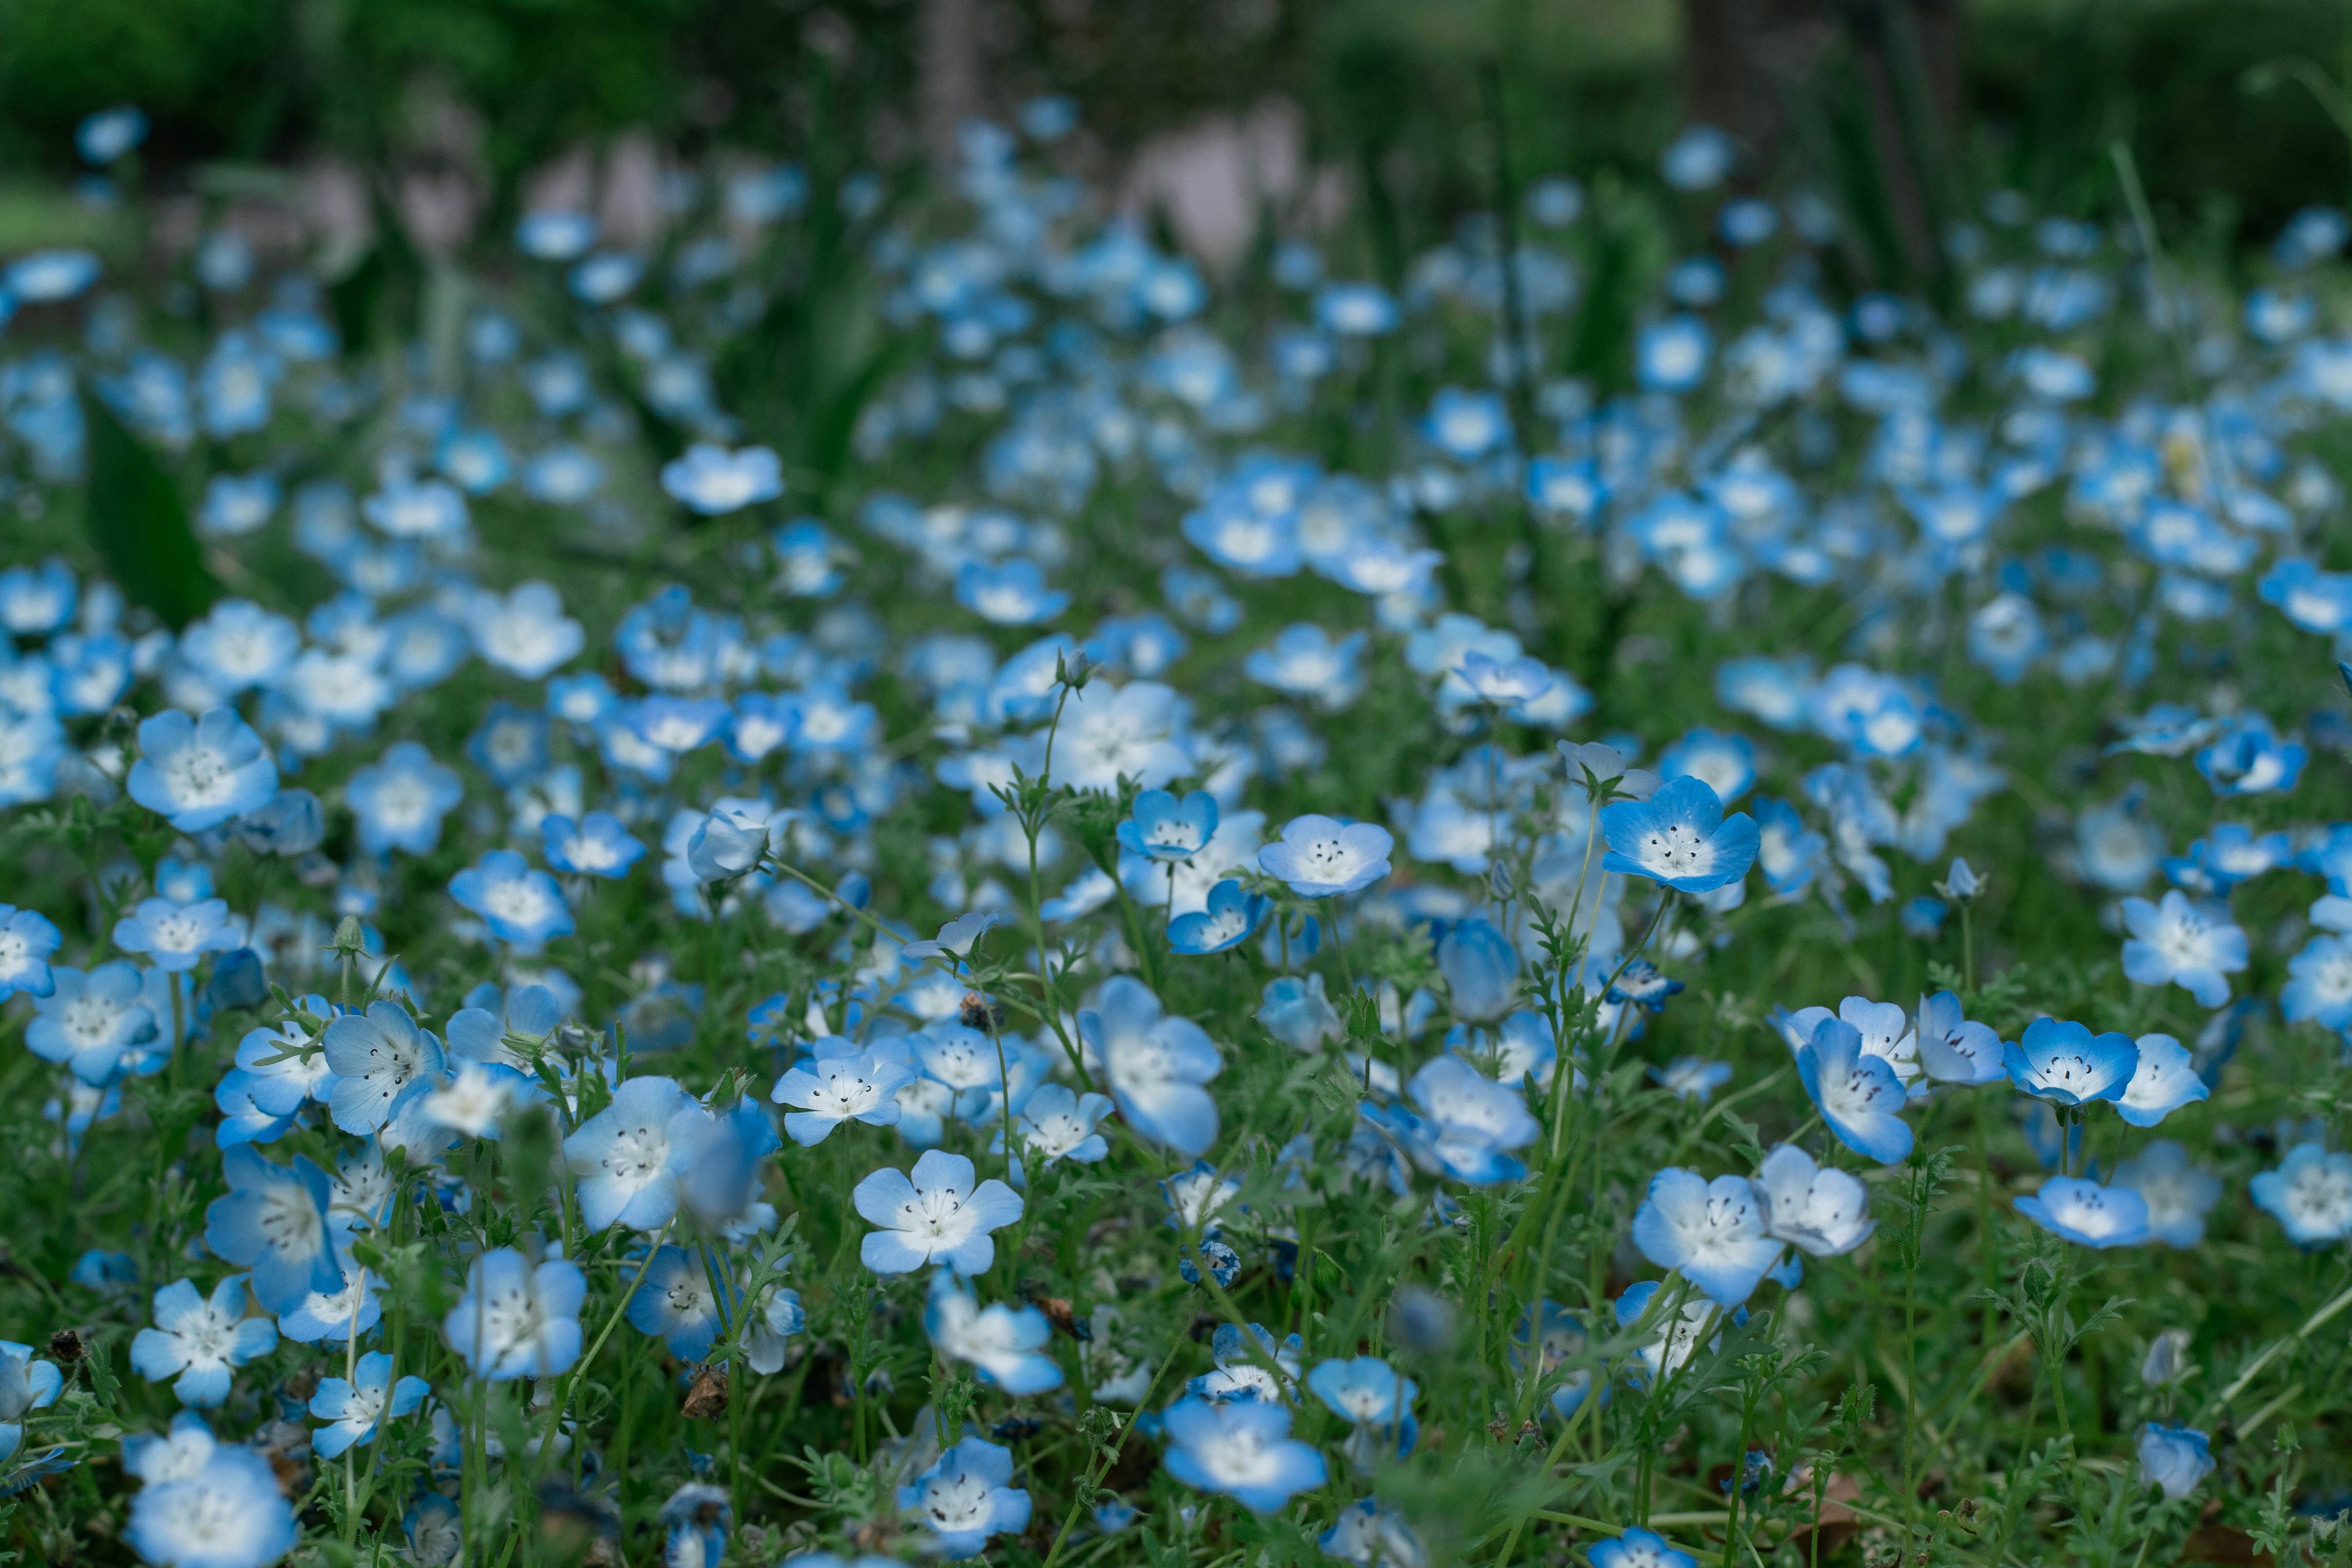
{"x": 1466, "y": 1127}
{"x": 89, "y": 1023}
{"x": 226, "y": 1511}
{"x": 106, "y": 136}
{"x": 201, "y": 773}
{"x": 1243, "y": 1450}
{"x": 1162, "y": 827}
{"x": 198, "y": 1343}
{"x": 594, "y": 846}
{"x": 1955, "y": 1049}
{"x": 1715, "y": 1233}
{"x": 516, "y": 1321}
{"x": 1298, "y": 1013}
{"x": 1638, "y": 1548}
{"x": 697, "y": 1518}
{"x": 628, "y": 1158}
{"x": 2248, "y": 758}
{"x": 1860, "y": 1095}
{"x": 1679, "y": 836}
{"x": 1155, "y": 1067}
{"x": 1467, "y": 425}
{"x": 2319, "y": 984}
{"x": 966, "y": 1497}
{"x": 355, "y": 1409}
{"x": 1003, "y": 1342}
{"x": 1672, "y": 355}
{"x": 1232, "y": 914}
{"x": 2190, "y": 945}
{"x": 2087, "y": 1214}
{"x": 1057, "y": 1124}
{"x": 2310, "y": 1193}
{"x": 675, "y": 1302}
{"x": 273, "y": 1222}
{"x": 1692, "y": 1078}
{"x": 1322, "y": 858}
{"x": 377, "y": 1056}
{"x": 2178, "y": 1194}
{"x": 175, "y": 935}
{"x": 1305, "y": 660}
{"x": 943, "y": 1215}
{"x": 711, "y": 480}
{"x": 1481, "y": 969}
{"x": 1639, "y": 982}
{"x": 2174, "y": 1457}
{"x": 2164, "y": 1080}
{"x": 1011, "y": 594}
{"x": 26, "y": 1384}
{"x": 401, "y": 800}
{"x": 2063, "y": 1063}
{"x": 520, "y": 904}
{"x": 830, "y": 1090}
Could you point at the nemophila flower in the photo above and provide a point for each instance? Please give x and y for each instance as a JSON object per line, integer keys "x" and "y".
{"x": 1250, "y": 1365}
{"x": 513, "y": 1320}
{"x": 1518, "y": 1052}
{"x": 1232, "y": 915}
{"x": 198, "y": 1343}
{"x": 1155, "y": 1067}
{"x": 225, "y": 1512}
{"x": 2164, "y": 1080}
{"x": 200, "y": 772}
{"x": 1242, "y": 1450}
{"x": 1691, "y": 1077}
{"x": 336, "y": 1317}
{"x": 1008, "y": 594}
{"x": 1860, "y": 1096}
{"x": 519, "y": 903}
{"x": 1466, "y": 1123}
{"x": 2174, "y": 1457}
{"x": 1000, "y": 1343}
{"x": 1712, "y": 1233}
{"x": 2087, "y": 1214}
{"x": 1816, "y": 1208}
{"x": 675, "y": 1302}
{"x": 697, "y": 1518}
{"x": 401, "y": 800}
{"x": 1677, "y": 1336}
{"x": 966, "y": 1497}
{"x": 2063, "y": 1063}
{"x": 1678, "y": 836}
{"x": 1505, "y": 683}
{"x": 26, "y": 1384}
{"x": 274, "y": 1222}
{"x": 2193, "y": 945}
{"x": 1638, "y": 1548}
{"x": 1321, "y": 859}
{"x": 525, "y": 631}
{"x": 356, "y": 1409}
{"x": 91, "y": 1022}
{"x": 1305, "y": 660}
{"x": 2319, "y": 984}
{"x": 27, "y": 938}
{"x": 2178, "y": 1194}
{"x": 1481, "y": 969}
{"x": 713, "y": 481}
{"x": 176, "y": 936}
{"x": 1371, "y": 1534}
{"x": 1056, "y": 1123}
{"x": 1639, "y": 983}
{"x": 829, "y": 1091}
{"x": 1953, "y": 1048}
{"x": 375, "y": 1056}
{"x": 2310, "y": 1193}
{"x": 2248, "y": 758}
{"x": 730, "y": 839}
{"x": 627, "y": 1158}
{"x": 1162, "y": 827}
{"x": 594, "y": 846}
{"x": 944, "y": 1214}
{"x": 1672, "y": 355}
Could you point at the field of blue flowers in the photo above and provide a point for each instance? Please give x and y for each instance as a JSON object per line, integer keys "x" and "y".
{"x": 899, "y": 880}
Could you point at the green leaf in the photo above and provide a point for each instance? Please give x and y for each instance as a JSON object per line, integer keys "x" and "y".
{"x": 140, "y": 525}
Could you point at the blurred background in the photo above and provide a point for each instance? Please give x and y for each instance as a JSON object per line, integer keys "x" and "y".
{"x": 332, "y": 123}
